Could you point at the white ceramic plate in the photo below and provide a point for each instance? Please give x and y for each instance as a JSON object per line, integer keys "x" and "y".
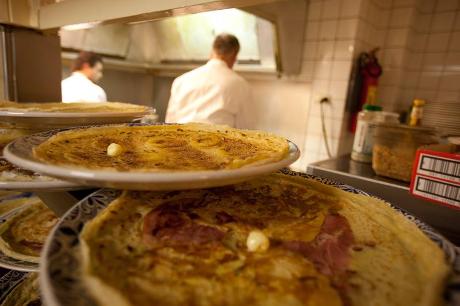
{"x": 53, "y": 185}
{"x": 60, "y": 279}
{"x": 19, "y": 152}
{"x": 47, "y": 120}
{"x": 36, "y": 183}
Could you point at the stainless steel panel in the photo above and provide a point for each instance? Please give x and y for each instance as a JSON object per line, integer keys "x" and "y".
{"x": 36, "y": 60}
{"x": 3, "y": 71}
{"x": 31, "y": 65}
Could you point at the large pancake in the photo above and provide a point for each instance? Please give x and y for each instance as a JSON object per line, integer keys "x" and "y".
{"x": 79, "y": 107}
{"x": 162, "y": 148}
{"x": 10, "y": 204}
{"x": 327, "y": 247}
{"x": 27, "y": 293}
{"x": 9, "y": 134}
{"x": 24, "y": 234}
{"x": 8, "y": 194}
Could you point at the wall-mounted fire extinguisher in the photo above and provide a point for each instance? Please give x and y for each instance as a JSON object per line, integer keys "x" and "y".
{"x": 363, "y": 85}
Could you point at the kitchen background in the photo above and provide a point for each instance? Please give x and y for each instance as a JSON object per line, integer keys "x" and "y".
{"x": 319, "y": 42}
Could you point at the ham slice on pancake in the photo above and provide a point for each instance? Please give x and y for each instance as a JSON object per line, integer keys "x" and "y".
{"x": 330, "y": 251}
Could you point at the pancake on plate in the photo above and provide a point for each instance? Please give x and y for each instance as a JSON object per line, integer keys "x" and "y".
{"x": 9, "y": 134}
{"x": 23, "y": 234}
{"x": 173, "y": 147}
{"x": 12, "y": 173}
{"x": 10, "y": 204}
{"x": 79, "y": 107}
{"x": 8, "y": 194}
{"x": 27, "y": 293}
{"x": 277, "y": 240}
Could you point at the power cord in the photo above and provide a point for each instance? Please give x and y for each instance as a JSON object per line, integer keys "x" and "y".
{"x": 323, "y": 125}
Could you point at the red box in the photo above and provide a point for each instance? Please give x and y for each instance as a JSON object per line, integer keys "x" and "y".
{"x": 436, "y": 175}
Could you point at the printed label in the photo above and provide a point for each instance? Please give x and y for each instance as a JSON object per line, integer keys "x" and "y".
{"x": 437, "y": 190}
{"x": 364, "y": 141}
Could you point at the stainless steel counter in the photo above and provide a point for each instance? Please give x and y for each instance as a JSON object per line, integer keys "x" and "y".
{"x": 361, "y": 176}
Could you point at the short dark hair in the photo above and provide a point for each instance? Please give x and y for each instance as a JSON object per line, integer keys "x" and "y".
{"x": 86, "y": 57}
{"x": 226, "y": 44}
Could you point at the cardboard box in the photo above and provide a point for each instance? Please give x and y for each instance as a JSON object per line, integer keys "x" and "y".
{"x": 436, "y": 175}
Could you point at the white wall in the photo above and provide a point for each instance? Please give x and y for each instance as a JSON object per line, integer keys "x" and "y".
{"x": 132, "y": 87}
{"x": 420, "y": 55}
{"x": 281, "y": 107}
{"x": 290, "y": 106}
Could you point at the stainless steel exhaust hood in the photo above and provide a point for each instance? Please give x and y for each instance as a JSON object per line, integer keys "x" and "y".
{"x": 67, "y": 12}
{"x": 177, "y": 43}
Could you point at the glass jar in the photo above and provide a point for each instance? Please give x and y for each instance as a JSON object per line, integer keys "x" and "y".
{"x": 395, "y": 146}
{"x": 363, "y": 142}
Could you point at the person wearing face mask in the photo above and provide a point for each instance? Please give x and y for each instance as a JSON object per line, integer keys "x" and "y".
{"x": 81, "y": 85}
{"x": 212, "y": 93}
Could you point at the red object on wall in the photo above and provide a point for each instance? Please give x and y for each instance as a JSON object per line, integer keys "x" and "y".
{"x": 368, "y": 76}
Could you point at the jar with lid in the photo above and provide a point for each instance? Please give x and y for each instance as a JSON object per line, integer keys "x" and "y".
{"x": 367, "y": 118}
{"x": 395, "y": 148}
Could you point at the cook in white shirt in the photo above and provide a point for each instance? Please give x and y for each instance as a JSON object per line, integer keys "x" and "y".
{"x": 81, "y": 85}
{"x": 212, "y": 93}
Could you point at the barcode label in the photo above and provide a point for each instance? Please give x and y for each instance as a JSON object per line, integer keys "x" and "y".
{"x": 440, "y": 167}
{"x": 437, "y": 190}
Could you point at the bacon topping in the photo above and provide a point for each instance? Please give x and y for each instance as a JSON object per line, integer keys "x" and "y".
{"x": 36, "y": 246}
{"x": 329, "y": 251}
{"x": 222, "y": 217}
{"x": 176, "y": 229}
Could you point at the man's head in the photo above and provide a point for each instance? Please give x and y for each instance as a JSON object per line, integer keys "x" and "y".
{"x": 90, "y": 64}
{"x": 226, "y": 48}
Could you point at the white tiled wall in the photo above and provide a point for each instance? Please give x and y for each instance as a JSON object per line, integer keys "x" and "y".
{"x": 420, "y": 54}
{"x": 360, "y": 26}
{"x": 290, "y": 106}
{"x": 330, "y": 63}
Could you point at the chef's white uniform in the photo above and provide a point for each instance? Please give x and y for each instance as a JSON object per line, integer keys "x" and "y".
{"x": 78, "y": 88}
{"x": 212, "y": 93}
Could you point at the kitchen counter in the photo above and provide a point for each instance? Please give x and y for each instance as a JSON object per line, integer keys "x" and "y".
{"x": 362, "y": 176}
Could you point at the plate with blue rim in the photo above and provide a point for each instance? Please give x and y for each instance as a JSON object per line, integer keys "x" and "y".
{"x": 60, "y": 262}
{"x": 30, "y": 181}
{"x": 9, "y": 281}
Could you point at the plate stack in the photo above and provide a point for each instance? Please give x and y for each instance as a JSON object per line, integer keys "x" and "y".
{"x": 25, "y": 220}
{"x": 197, "y": 214}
